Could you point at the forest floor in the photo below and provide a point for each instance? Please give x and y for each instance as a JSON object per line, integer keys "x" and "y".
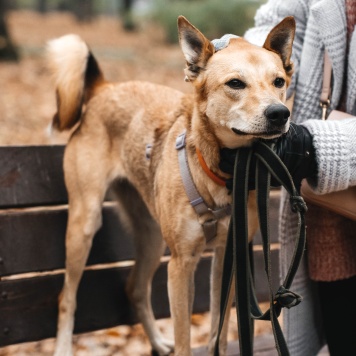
{"x": 27, "y": 105}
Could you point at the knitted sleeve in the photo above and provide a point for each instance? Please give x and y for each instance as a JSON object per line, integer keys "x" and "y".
{"x": 269, "y": 15}
{"x": 335, "y": 147}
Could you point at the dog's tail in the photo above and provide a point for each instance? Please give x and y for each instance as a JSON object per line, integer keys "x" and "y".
{"x": 76, "y": 74}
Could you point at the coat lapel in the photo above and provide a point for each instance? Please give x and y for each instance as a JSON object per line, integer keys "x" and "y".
{"x": 331, "y": 19}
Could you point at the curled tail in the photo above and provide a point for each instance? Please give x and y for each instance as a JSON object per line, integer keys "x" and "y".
{"x": 76, "y": 74}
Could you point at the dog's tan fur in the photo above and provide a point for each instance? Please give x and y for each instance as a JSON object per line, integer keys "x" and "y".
{"x": 109, "y": 145}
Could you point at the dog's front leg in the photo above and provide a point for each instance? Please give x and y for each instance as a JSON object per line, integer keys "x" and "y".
{"x": 215, "y": 297}
{"x": 181, "y": 270}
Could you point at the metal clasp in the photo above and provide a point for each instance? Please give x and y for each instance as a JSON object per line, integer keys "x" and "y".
{"x": 324, "y": 108}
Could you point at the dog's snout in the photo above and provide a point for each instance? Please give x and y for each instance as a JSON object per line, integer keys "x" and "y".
{"x": 277, "y": 114}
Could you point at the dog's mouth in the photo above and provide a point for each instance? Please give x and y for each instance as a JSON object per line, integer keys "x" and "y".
{"x": 260, "y": 134}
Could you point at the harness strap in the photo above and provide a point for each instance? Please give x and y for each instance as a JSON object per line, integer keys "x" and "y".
{"x": 237, "y": 260}
{"x": 195, "y": 199}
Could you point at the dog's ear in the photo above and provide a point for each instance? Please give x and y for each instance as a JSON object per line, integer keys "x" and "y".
{"x": 197, "y": 49}
{"x": 280, "y": 41}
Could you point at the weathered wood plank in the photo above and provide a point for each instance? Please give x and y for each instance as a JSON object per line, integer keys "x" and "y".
{"x": 28, "y": 307}
{"x": 29, "y": 310}
{"x": 34, "y": 241}
{"x": 31, "y": 176}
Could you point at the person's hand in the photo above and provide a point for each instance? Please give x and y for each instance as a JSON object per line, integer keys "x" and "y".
{"x": 296, "y": 150}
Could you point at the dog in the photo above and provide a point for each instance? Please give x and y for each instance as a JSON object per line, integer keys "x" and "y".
{"x": 239, "y": 96}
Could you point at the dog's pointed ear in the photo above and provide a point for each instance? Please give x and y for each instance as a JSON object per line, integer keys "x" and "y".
{"x": 197, "y": 49}
{"x": 280, "y": 41}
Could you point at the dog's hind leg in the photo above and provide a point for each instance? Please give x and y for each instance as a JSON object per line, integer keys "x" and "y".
{"x": 86, "y": 181}
{"x": 149, "y": 246}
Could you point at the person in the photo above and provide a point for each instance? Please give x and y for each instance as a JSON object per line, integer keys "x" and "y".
{"x": 327, "y": 277}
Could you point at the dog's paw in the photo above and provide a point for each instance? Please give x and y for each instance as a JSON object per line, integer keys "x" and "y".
{"x": 156, "y": 353}
{"x": 61, "y": 350}
{"x": 63, "y": 353}
{"x": 163, "y": 348}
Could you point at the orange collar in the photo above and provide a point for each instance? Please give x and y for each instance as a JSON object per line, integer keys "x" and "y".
{"x": 210, "y": 173}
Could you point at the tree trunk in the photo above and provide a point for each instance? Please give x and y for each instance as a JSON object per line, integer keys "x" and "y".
{"x": 7, "y": 49}
{"x": 42, "y": 6}
{"x": 126, "y": 14}
{"x": 83, "y": 10}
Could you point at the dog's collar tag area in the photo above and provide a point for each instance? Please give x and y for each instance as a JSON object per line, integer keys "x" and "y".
{"x": 197, "y": 202}
{"x": 223, "y": 42}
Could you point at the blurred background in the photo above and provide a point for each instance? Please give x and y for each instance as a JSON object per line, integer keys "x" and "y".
{"x": 132, "y": 40}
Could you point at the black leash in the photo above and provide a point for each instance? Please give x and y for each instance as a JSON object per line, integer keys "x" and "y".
{"x": 237, "y": 260}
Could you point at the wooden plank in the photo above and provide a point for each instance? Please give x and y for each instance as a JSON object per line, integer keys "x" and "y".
{"x": 31, "y": 176}
{"x": 34, "y": 241}
{"x": 28, "y": 307}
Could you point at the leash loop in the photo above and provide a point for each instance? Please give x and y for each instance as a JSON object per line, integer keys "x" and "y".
{"x": 287, "y": 299}
{"x": 237, "y": 261}
{"x": 298, "y": 204}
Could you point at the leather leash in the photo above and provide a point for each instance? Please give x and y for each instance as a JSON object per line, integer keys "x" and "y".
{"x": 237, "y": 257}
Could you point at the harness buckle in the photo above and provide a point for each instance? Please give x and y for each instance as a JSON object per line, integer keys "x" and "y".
{"x": 197, "y": 201}
{"x": 180, "y": 141}
{"x": 221, "y": 212}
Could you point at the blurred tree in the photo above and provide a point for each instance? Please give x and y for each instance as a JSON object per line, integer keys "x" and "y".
{"x": 126, "y": 14}
{"x": 42, "y": 6}
{"x": 7, "y": 49}
{"x": 83, "y": 9}
{"x": 213, "y": 17}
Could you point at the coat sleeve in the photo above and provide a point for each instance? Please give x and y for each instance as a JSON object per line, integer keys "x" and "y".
{"x": 335, "y": 148}
{"x": 273, "y": 12}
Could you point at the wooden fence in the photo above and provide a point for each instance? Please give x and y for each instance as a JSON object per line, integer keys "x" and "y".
{"x": 33, "y": 216}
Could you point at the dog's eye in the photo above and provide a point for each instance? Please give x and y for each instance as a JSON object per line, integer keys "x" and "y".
{"x": 236, "y": 84}
{"x": 279, "y": 82}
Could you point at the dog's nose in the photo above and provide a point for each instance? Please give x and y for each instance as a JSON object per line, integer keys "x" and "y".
{"x": 277, "y": 114}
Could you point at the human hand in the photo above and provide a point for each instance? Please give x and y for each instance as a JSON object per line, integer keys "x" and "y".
{"x": 297, "y": 152}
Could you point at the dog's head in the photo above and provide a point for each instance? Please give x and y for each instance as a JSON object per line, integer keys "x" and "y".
{"x": 241, "y": 89}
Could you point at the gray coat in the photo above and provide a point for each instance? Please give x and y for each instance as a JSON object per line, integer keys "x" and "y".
{"x": 321, "y": 25}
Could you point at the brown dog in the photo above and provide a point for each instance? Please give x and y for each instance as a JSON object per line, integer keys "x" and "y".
{"x": 239, "y": 96}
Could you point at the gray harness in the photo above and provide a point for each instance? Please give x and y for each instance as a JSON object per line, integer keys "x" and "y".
{"x": 201, "y": 208}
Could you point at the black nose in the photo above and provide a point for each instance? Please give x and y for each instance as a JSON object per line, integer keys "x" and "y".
{"x": 277, "y": 114}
